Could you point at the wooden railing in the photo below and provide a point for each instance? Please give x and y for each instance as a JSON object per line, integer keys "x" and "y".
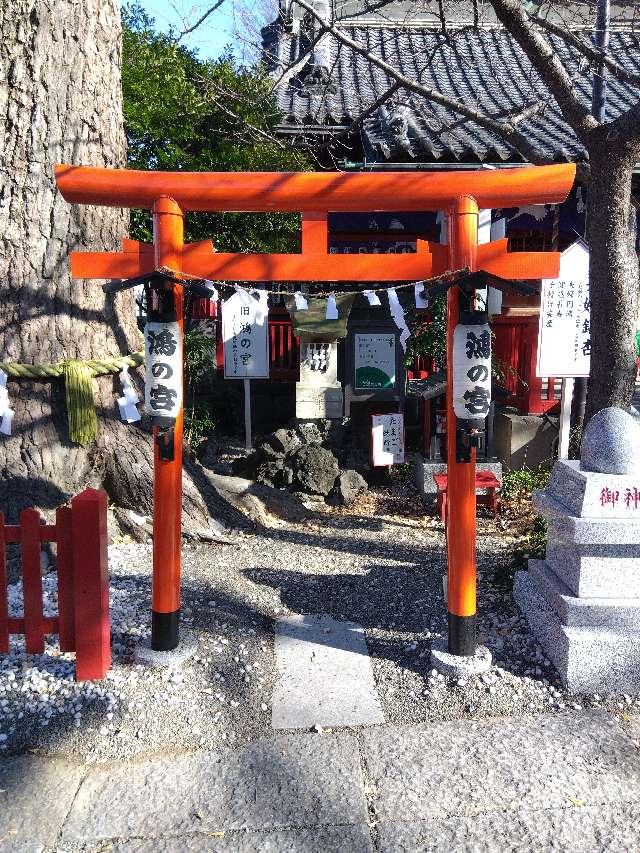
{"x": 82, "y": 622}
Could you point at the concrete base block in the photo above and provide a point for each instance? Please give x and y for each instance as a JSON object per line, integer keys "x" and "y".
{"x": 187, "y": 647}
{"x": 455, "y": 666}
{"x": 583, "y": 612}
{"x": 588, "y": 659}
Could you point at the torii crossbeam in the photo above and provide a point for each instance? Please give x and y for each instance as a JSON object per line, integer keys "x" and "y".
{"x": 169, "y": 195}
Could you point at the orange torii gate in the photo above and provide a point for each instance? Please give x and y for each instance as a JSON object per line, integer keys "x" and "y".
{"x": 169, "y": 195}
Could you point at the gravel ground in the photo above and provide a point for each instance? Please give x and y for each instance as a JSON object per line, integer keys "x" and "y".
{"x": 379, "y": 564}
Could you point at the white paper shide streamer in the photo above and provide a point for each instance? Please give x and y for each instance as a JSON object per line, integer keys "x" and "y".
{"x": 471, "y": 371}
{"x": 6, "y": 412}
{"x": 163, "y": 359}
{"x": 398, "y": 317}
{"x": 301, "y": 301}
{"x": 128, "y": 403}
{"x": 373, "y": 298}
{"x": 332, "y": 308}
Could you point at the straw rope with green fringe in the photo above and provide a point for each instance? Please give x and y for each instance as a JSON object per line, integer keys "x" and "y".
{"x": 78, "y": 377}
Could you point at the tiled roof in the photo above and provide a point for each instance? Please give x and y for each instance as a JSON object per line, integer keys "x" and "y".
{"x": 484, "y": 68}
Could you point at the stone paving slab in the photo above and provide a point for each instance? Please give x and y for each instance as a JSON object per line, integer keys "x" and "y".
{"x": 35, "y": 797}
{"x": 571, "y": 830}
{"x": 325, "y": 676}
{"x": 465, "y": 767}
{"x": 335, "y": 839}
{"x": 287, "y": 781}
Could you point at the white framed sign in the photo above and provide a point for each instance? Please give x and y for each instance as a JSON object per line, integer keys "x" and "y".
{"x": 374, "y": 361}
{"x": 245, "y": 335}
{"x": 387, "y": 439}
{"x": 564, "y": 332}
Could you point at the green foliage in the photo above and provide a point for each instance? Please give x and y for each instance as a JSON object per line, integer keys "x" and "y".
{"x": 428, "y": 334}
{"x": 185, "y": 114}
{"x": 199, "y": 363}
{"x": 522, "y": 481}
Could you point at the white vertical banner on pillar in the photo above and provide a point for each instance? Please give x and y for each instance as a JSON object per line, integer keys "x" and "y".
{"x": 471, "y": 371}
{"x": 163, "y": 362}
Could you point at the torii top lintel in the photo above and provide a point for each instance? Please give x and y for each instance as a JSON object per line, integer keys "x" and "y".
{"x": 314, "y": 195}
{"x": 300, "y": 192}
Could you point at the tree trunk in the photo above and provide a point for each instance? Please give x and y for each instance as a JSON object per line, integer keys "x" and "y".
{"x": 61, "y": 102}
{"x": 613, "y": 276}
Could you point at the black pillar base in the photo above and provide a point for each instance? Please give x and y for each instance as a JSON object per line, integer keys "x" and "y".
{"x": 164, "y": 630}
{"x": 462, "y": 635}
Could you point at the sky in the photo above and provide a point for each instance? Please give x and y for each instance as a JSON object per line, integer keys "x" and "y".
{"x": 218, "y": 31}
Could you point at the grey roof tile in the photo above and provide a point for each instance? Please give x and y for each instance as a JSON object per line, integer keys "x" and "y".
{"x": 485, "y": 68}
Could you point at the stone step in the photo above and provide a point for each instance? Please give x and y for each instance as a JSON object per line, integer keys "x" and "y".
{"x": 589, "y": 660}
{"x": 596, "y": 571}
{"x": 583, "y": 612}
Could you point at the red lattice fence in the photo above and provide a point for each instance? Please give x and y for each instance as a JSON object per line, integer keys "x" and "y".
{"x": 82, "y": 623}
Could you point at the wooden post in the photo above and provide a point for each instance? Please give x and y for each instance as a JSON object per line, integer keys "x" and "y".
{"x": 462, "y": 228}
{"x": 4, "y": 602}
{"x": 31, "y": 580}
{"x": 247, "y": 413}
{"x": 64, "y": 568}
{"x": 564, "y": 433}
{"x": 168, "y": 237}
{"x": 90, "y": 584}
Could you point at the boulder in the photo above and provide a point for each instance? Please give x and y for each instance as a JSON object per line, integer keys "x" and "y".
{"x": 611, "y": 443}
{"x": 283, "y": 441}
{"x": 346, "y": 489}
{"x": 315, "y": 469}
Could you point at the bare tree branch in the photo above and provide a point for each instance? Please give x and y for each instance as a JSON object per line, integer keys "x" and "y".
{"x": 593, "y": 54}
{"x": 201, "y": 20}
{"x": 547, "y": 63}
{"x": 504, "y": 129}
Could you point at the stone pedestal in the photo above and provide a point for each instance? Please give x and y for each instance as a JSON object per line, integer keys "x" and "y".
{"x": 318, "y": 393}
{"x": 583, "y": 600}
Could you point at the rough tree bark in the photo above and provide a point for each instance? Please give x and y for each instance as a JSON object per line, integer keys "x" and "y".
{"x": 613, "y": 273}
{"x": 61, "y": 102}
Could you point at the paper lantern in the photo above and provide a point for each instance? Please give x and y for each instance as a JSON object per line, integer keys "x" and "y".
{"x": 163, "y": 360}
{"x": 472, "y": 371}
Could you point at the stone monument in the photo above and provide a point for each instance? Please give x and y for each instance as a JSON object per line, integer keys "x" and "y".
{"x": 318, "y": 392}
{"x": 583, "y": 600}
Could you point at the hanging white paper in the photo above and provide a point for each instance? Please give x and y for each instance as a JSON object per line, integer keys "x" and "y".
{"x": 245, "y": 336}
{"x": 128, "y": 402}
{"x": 372, "y": 297}
{"x": 6, "y": 412}
{"x": 163, "y": 360}
{"x": 243, "y": 293}
{"x": 332, "y": 308}
{"x": 301, "y": 301}
{"x": 421, "y": 301}
{"x": 471, "y": 371}
{"x": 213, "y": 290}
{"x": 398, "y": 317}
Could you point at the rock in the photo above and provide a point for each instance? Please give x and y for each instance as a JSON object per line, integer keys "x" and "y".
{"x": 284, "y": 441}
{"x": 611, "y": 443}
{"x": 346, "y": 489}
{"x": 315, "y": 469}
{"x": 269, "y": 472}
{"x": 313, "y": 432}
